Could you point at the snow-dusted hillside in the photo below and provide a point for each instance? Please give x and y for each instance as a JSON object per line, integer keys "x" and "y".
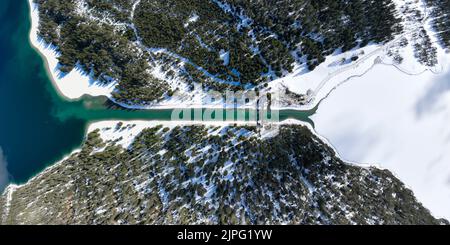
{"x": 182, "y": 76}
{"x": 209, "y": 174}
{"x": 412, "y": 51}
{"x": 72, "y": 85}
{"x": 170, "y": 53}
{"x": 385, "y": 103}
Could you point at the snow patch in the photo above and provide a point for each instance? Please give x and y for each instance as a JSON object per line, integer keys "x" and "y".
{"x": 225, "y": 56}
{"x": 9, "y": 192}
{"x": 191, "y": 19}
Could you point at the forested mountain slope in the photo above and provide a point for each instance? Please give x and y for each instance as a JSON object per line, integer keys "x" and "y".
{"x": 154, "y": 48}
{"x": 220, "y": 175}
{"x": 211, "y": 175}
{"x": 441, "y": 20}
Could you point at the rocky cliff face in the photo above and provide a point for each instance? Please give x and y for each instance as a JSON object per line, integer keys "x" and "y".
{"x": 211, "y": 175}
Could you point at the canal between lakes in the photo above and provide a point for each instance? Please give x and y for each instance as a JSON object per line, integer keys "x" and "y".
{"x": 38, "y": 127}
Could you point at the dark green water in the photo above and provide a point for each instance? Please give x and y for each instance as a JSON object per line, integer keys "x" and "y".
{"x": 30, "y": 135}
{"x": 37, "y": 126}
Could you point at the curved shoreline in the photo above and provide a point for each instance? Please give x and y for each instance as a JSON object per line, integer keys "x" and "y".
{"x": 140, "y": 125}
{"x": 74, "y": 85}
{"x": 47, "y": 55}
{"x": 56, "y": 82}
{"x": 71, "y": 86}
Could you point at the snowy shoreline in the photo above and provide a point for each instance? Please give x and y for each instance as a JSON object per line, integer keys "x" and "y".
{"x": 331, "y": 128}
{"x": 71, "y": 86}
{"x": 132, "y": 128}
{"x": 74, "y": 85}
{"x": 397, "y": 116}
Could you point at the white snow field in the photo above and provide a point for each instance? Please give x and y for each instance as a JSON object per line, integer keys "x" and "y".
{"x": 398, "y": 121}
{"x": 392, "y": 116}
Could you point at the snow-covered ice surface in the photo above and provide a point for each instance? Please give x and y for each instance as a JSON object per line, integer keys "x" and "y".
{"x": 397, "y": 117}
{"x": 72, "y": 85}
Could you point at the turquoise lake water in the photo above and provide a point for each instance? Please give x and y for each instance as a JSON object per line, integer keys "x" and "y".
{"x": 37, "y": 126}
